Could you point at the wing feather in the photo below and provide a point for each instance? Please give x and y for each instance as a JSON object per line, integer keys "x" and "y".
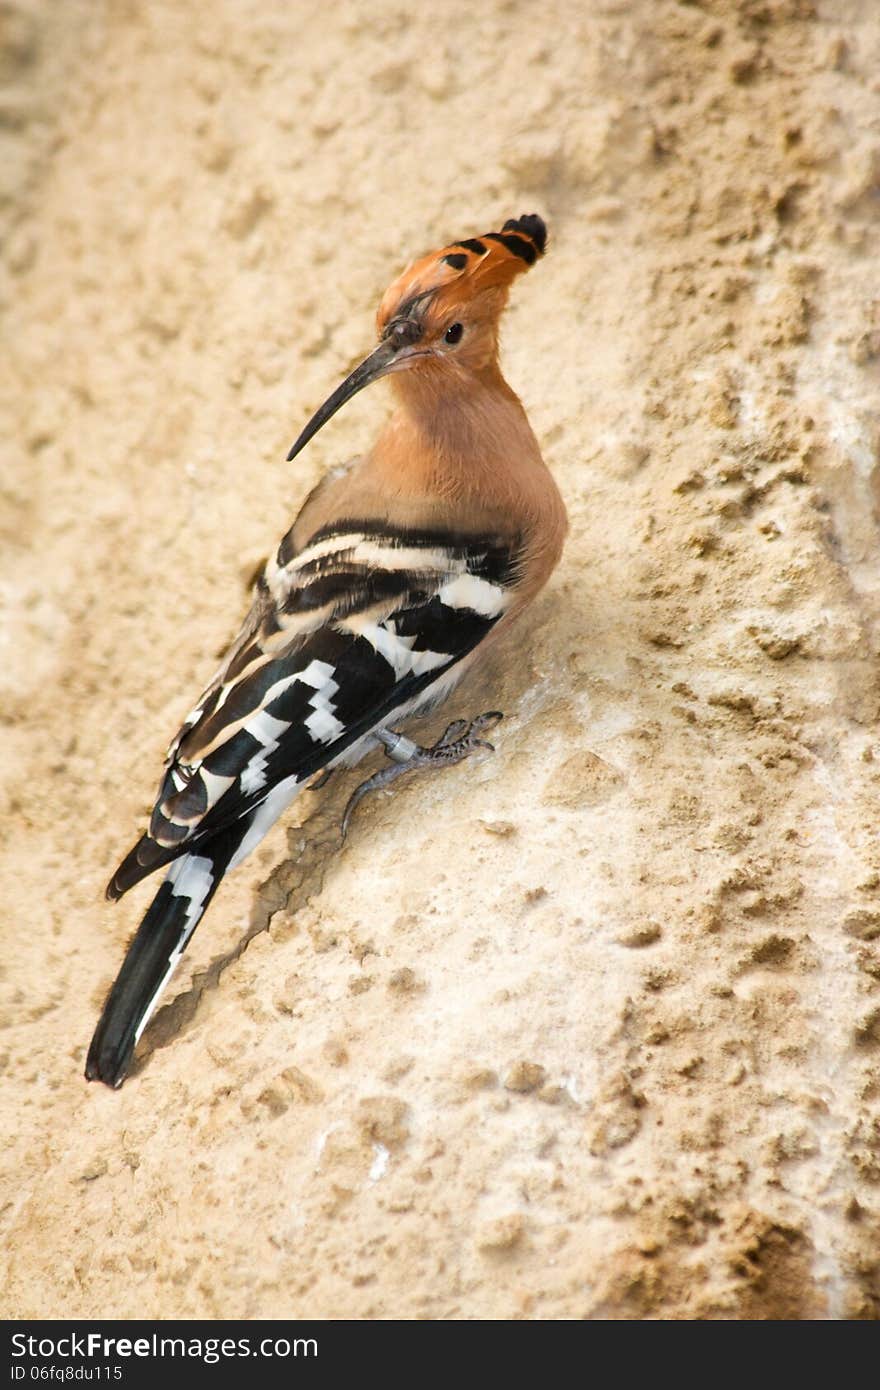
{"x": 360, "y": 623}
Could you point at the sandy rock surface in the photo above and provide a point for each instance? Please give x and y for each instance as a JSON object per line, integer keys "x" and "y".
{"x": 590, "y": 1028}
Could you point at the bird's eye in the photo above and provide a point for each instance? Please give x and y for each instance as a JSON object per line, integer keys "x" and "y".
{"x": 453, "y": 333}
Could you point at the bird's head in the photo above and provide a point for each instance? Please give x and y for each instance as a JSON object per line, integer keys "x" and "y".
{"x": 442, "y": 313}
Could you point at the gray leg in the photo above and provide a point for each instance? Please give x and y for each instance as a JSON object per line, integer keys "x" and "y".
{"x": 458, "y": 741}
{"x": 321, "y": 780}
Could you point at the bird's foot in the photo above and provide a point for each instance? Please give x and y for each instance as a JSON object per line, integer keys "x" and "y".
{"x": 460, "y": 739}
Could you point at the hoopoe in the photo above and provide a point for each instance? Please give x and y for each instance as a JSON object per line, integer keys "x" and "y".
{"x": 398, "y": 570}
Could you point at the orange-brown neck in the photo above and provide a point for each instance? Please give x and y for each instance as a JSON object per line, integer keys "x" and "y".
{"x": 456, "y": 430}
{"x": 462, "y": 444}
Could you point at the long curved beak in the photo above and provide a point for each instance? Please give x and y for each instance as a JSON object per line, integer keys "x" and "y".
{"x": 390, "y": 355}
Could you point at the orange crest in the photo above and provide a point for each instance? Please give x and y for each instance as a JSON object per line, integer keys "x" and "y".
{"x": 464, "y": 269}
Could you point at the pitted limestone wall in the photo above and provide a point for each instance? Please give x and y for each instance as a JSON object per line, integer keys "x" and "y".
{"x": 591, "y": 1028}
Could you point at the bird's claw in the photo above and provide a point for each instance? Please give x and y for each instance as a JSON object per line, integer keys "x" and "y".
{"x": 457, "y": 742}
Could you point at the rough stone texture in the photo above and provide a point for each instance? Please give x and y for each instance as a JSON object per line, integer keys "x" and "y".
{"x": 588, "y": 1029}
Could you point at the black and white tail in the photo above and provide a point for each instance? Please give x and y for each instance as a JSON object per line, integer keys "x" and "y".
{"x": 161, "y": 939}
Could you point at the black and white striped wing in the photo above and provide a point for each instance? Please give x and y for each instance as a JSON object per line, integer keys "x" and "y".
{"x": 362, "y": 624}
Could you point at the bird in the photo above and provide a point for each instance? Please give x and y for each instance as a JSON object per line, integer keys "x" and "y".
{"x": 400, "y": 569}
